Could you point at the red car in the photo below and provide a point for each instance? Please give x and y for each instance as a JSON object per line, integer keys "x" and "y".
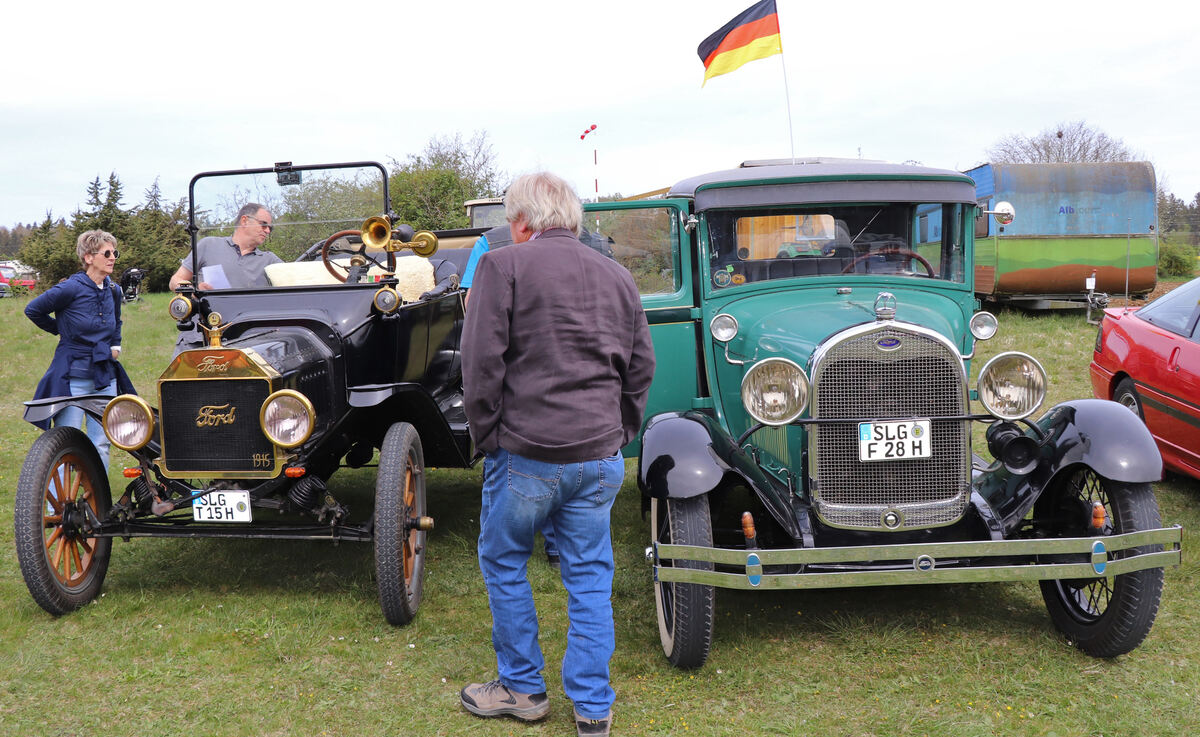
{"x": 1148, "y": 359}
{"x": 9, "y": 277}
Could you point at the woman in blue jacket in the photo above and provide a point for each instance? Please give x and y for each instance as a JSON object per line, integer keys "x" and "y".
{"x": 86, "y": 318}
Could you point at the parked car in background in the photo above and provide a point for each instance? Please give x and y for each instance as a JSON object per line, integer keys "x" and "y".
{"x": 1148, "y": 359}
{"x": 13, "y": 281}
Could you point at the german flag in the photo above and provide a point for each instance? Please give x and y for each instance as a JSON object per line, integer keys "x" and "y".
{"x": 754, "y": 34}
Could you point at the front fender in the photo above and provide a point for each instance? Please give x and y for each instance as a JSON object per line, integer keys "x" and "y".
{"x": 1096, "y": 433}
{"x": 686, "y": 454}
{"x": 1103, "y": 435}
{"x": 40, "y": 411}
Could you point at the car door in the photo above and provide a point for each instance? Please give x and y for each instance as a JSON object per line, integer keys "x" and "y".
{"x": 1166, "y": 366}
{"x": 651, "y": 240}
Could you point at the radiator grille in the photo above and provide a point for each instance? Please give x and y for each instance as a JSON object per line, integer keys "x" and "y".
{"x": 856, "y": 380}
{"x": 200, "y": 435}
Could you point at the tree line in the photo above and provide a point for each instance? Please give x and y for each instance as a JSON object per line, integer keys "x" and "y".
{"x": 427, "y": 191}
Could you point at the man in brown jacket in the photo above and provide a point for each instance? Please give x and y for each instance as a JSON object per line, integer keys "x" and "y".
{"x": 557, "y": 363}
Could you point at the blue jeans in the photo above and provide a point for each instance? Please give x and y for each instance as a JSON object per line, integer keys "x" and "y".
{"x": 551, "y": 542}
{"x": 519, "y": 496}
{"x": 73, "y": 416}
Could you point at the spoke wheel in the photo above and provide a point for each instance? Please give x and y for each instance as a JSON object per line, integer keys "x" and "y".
{"x": 60, "y": 490}
{"x": 399, "y": 507}
{"x": 1104, "y": 617}
{"x": 685, "y": 610}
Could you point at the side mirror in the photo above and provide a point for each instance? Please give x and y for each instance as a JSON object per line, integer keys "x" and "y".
{"x": 1004, "y": 212}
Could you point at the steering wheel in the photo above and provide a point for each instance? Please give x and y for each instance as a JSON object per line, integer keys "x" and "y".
{"x": 341, "y": 272}
{"x": 892, "y": 251}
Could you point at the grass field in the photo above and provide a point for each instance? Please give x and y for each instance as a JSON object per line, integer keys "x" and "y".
{"x": 206, "y": 637}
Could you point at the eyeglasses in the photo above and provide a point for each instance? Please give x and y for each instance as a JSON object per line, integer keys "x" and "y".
{"x": 114, "y": 253}
{"x": 262, "y": 224}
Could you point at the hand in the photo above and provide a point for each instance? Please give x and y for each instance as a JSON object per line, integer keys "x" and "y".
{"x": 205, "y": 286}
{"x": 116, "y": 351}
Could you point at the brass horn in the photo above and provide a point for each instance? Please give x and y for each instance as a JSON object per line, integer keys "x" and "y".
{"x": 424, "y": 243}
{"x": 377, "y": 233}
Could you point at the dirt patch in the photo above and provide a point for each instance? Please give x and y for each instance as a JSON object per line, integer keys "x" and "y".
{"x": 1161, "y": 288}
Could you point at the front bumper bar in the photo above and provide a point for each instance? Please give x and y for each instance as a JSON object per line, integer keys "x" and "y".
{"x": 901, "y": 565}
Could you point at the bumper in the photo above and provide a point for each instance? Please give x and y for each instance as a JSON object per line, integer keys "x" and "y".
{"x": 901, "y": 565}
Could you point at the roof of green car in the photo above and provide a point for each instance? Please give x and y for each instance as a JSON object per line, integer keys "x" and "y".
{"x": 948, "y": 185}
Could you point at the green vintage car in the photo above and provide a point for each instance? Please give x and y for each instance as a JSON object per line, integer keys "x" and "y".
{"x": 810, "y": 422}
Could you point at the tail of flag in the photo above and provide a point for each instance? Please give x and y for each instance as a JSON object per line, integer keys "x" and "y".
{"x": 753, "y": 34}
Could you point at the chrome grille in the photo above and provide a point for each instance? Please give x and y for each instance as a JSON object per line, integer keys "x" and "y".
{"x": 921, "y": 378}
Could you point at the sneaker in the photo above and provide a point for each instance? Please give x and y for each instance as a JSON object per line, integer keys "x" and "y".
{"x": 585, "y": 727}
{"x": 494, "y": 699}
{"x": 554, "y": 561}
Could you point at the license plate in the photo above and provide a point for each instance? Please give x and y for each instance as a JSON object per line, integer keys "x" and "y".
{"x": 222, "y": 506}
{"x": 894, "y": 441}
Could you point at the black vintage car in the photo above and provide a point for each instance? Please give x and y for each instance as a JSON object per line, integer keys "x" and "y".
{"x": 350, "y": 349}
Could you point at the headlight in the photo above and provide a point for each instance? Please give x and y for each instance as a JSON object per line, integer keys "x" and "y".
{"x": 984, "y": 325}
{"x": 128, "y": 422}
{"x": 180, "y": 308}
{"x": 724, "y": 328}
{"x": 1012, "y": 386}
{"x": 287, "y": 418}
{"x": 775, "y": 391}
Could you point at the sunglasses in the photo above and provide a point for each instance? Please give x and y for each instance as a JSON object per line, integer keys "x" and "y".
{"x": 263, "y": 224}
{"x": 114, "y": 253}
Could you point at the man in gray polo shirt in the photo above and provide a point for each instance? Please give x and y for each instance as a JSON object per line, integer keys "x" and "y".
{"x": 238, "y": 255}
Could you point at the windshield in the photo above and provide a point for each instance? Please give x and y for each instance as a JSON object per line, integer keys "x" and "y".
{"x": 306, "y": 204}
{"x": 898, "y": 239}
{"x": 8, "y": 272}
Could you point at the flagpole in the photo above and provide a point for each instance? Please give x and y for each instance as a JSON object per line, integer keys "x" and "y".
{"x": 787, "y": 95}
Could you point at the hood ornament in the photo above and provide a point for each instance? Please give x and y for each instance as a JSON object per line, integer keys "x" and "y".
{"x": 885, "y": 306}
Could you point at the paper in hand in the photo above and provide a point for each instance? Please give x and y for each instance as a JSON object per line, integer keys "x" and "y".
{"x": 215, "y": 276}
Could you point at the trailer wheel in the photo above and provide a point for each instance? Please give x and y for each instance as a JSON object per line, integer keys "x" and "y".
{"x": 61, "y": 489}
{"x": 400, "y": 524}
{"x": 1103, "y": 617}
{"x": 685, "y": 610}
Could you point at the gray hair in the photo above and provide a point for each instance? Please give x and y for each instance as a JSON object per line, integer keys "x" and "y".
{"x": 92, "y": 241}
{"x": 546, "y": 200}
{"x": 250, "y": 209}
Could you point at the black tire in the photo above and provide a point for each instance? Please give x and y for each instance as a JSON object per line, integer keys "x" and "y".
{"x": 62, "y": 567}
{"x": 685, "y": 610}
{"x": 1126, "y": 394}
{"x": 1104, "y": 617}
{"x": 399, "y": 507}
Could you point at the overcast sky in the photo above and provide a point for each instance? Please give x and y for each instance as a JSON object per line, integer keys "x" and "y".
{"x": 153, "y": 90}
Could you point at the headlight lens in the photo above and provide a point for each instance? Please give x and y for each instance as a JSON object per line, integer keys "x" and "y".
{"x": 984, "y": 325}
{"x": 1012, "y": 386}
{"x": 287, "y": 418}
{"x": 775, "y": 391}
{"x": 128, "y": 422}
{"x": 180, "y": 308}
{"x": 724, "y": 328}
{"x": 387, "y": 300}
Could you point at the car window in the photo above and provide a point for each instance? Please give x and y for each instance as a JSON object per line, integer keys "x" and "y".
{"x": 1176, "y": 310}
{"x": 901, "y": 239}
{"x": 642, "y": 240}
{"x": 8, "y": 272}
